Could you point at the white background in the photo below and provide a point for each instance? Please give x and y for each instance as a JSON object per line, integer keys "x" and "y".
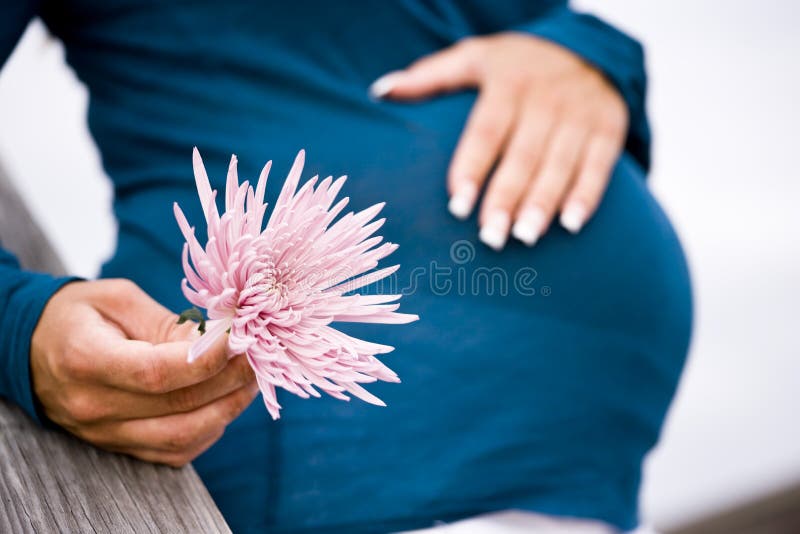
{"x": 725, "y": 78}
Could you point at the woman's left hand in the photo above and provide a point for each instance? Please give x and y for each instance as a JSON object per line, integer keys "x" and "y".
{"x": 550, "y": 125}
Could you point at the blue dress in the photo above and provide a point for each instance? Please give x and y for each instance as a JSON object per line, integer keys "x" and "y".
{"x": 536, "y": 378}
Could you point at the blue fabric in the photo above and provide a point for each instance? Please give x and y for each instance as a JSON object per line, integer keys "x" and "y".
{"x": 546, "y": 402}
{"x": 23, "y": 296}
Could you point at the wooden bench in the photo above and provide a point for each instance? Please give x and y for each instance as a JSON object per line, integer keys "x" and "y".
{"x": 53, "y": 482}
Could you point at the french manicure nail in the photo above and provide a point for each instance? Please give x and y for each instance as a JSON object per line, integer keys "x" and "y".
{"x": 462, "y": 202}
{"x": 495, "y": 232}
{"x": 573, "y": 217}
{"x": 529, "y": 226}
{"x": 383, "y": 85}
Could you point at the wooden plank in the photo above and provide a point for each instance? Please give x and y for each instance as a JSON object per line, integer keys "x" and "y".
{"x": 50, "y": 481}
{"x": 53, "y": 482}
{"x": 20, "y": 234}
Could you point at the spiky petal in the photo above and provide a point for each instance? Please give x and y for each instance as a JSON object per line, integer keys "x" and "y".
{"x": 277, "y": 289}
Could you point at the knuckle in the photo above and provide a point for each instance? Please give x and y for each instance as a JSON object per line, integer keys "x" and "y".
{"x": 82, "y": 408}
{"x": 545, "y": 198}
{"x": 123, "y": 286}
{"x": 559, "y": 165}
{"x": 72, "y": 362}
{"x": 593, "y": 173}
{"x": 539, "y": 112}
{"x": 183, "y": 400}
{"x": 598, "y": 168}
{"x": 119, "y": 289}
{"x": 556, "y": 170}
{"x": 212, "y": 364}
{"x": 488, "y": 130}
{"x": 152, "y": 377}
{"x": 525, "y": 155}
{"x": 474, "y": 54}
{"x": 574, "y": 126}
{"x": 179, "y": 439}
{"x": 505, "y": 192}
{"x": 516, "y": 82}
{"x": 547, "y": 104}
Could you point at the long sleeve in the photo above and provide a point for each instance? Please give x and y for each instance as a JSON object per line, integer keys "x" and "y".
{"x": 617, "y": 55}
{"x": 23, "y": 294}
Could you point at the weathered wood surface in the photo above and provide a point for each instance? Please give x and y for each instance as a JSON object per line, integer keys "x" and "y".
{"x": 52, "y": 482}
{"x": 20, "y": 234}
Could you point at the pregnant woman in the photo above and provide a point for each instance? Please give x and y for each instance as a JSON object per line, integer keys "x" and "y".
{"x": 555, "y": 305}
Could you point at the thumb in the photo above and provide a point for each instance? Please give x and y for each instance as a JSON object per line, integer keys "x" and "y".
{"x": 134, "y": 311}
{"x": 451, "y": 69}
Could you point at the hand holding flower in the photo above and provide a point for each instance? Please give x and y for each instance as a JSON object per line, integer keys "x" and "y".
{"x": 108, "y": 364}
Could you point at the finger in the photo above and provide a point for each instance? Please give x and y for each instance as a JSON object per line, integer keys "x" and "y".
{"x": 512, "y": 178}
{"x": 549, "y": 184}
{"x": 172, "y": 459}
{"x": 107, "y": 358}
{"x": 237, "y": 374}
{"x": 152, "y": 362}
{"x": 595, "y": 171}
{"x": 134, "y": 311}
{"x": 479, "y": 147}
{"x": 173, "y": 433}
{"x": 451, "y": 69}
{"x": 117, "y": 404}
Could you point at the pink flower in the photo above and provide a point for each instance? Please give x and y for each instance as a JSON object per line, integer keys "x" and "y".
{"x": 276, "y": 290}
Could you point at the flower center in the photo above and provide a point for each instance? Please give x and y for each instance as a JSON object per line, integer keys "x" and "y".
{"x": 266, "y": 289}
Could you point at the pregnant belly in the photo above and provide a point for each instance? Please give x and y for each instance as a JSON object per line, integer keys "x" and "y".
{"x": 624, "y": 272}
{"x": 535, "y": 378}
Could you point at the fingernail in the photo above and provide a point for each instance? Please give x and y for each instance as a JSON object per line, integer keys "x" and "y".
{"x": 529, "y": 226}
{"x": 573, "y": 217}
{"x": 462, "y": 202}
{"x": 495, "y": 232}
{"x": 383, "y": 85}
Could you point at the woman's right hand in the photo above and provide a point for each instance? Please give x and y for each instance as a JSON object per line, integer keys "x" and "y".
{"x": 109, "y": 365}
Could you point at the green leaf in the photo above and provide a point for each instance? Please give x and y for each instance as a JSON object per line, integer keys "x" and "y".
{"x": 193, "y": 314}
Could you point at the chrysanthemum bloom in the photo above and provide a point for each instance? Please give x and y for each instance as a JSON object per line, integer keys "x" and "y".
{"x": 276, "y": 290}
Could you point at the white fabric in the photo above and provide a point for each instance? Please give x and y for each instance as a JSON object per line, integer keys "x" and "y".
{"x": 518, "y": 522}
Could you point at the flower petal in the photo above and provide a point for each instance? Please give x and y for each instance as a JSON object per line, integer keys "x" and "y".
{"x": 214, "y": 329}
